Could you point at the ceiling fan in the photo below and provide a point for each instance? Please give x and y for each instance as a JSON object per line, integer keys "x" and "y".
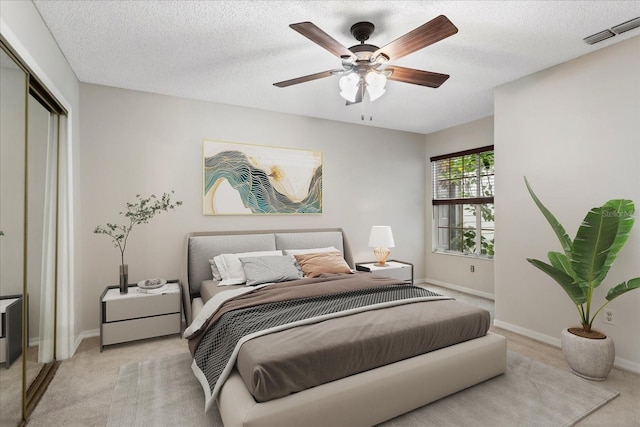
{"x": 364, "y": 66}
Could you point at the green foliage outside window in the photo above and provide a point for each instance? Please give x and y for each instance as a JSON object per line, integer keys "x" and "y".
{"x": 464, "y": 189}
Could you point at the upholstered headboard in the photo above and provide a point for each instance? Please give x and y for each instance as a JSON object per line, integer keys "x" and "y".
{"x": 203, "y": 246}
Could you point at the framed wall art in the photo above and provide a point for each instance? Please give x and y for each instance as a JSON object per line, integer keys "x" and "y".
{"x": 246, "y": 179}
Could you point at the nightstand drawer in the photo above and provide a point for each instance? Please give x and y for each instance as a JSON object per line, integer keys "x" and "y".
{"x": 403, "y": 273}
{"x": 137, "y": 329}
{"x": 134, "y": 308}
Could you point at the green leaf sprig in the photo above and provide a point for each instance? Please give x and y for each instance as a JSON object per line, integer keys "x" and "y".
{"x": 140, "y": 212}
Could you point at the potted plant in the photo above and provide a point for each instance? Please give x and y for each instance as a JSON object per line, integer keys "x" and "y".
{"x": 579, "y": 269}
{"x": 137, "y": 213}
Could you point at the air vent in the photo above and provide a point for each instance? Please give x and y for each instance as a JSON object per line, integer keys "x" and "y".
{"x": 598, "y": 37}
{"x": 626, "y": 26}
{"x": 618, "y": 29}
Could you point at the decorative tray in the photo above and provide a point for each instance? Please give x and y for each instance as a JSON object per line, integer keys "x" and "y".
{"x": 151, "y": 284}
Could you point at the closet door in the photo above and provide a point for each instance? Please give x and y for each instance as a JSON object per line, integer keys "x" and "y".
{"x": 41, "y": 231}
{"x": 13, "y": 110}
{"x": 29, "y": 134}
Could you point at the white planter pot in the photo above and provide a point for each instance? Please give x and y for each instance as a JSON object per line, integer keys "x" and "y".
{"x": 588, "y": 358}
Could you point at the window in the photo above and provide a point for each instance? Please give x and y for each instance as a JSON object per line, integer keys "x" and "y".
{"x": 463, "y": 208}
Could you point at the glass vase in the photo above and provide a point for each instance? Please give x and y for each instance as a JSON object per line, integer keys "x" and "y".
{"x": 124, "y": 278}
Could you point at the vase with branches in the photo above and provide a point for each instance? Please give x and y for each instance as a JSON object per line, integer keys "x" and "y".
{"x": 140, "y": 212}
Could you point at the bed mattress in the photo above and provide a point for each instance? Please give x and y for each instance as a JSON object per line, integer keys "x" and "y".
{"x": 210, "y": 288}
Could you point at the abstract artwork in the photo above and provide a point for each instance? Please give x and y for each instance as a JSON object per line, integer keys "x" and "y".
{"x": 256, "y": 179}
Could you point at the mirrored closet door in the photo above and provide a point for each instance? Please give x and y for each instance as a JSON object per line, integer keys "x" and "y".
{"x": 13, "y": 137}
{"x": 29, "y": 134}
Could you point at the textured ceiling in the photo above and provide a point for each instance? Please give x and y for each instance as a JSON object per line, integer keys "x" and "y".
{"x": 232, "y": 52}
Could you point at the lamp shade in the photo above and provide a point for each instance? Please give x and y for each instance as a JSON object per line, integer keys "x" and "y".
{"x": 349, "y": 86}
{"x": 375, "y": 84}
{"x": 381, "y": 236}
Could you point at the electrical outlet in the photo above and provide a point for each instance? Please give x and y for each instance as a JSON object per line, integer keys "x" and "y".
{"x": 609, "y": 317}
{"x": 472, "y": 268}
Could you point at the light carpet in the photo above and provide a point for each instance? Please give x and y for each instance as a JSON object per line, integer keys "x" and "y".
{"x": 164, "y": 392}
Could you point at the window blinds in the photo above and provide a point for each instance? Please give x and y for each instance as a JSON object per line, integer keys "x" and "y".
{"x": 464, "y": 177}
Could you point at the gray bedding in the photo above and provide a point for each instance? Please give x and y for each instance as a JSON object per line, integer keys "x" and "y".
{"x": 285, "y": 362}
{"x": 209, "y": 288}
{"x": 213, "y": 341}
{"x": 289, "y": 361}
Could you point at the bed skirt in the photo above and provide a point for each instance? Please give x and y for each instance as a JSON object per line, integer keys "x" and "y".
{"x": 373, "y": 396}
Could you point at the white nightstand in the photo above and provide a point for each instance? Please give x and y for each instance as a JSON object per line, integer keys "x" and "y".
{"x": 10, "y": 329}
{"x": 395, "y": 269}
{"x": 138, "y": 315}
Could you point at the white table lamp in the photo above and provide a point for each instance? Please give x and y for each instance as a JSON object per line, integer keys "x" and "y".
{"x": 381, "y": 238}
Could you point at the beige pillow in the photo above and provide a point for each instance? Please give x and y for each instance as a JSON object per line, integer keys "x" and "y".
{"x": 309, "y": 251}
{"x": 315, "y": 264}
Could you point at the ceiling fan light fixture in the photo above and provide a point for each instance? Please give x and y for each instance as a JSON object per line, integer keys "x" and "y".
{"x": 349, "y": 84}
{"x": 375, "y": 84}
{"x": 363, "y": 64}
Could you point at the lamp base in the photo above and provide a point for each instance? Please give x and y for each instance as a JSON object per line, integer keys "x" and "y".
{"x": 381, "y": 255}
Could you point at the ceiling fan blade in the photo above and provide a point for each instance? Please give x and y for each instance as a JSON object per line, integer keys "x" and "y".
{"x": 308, "y": 78}
{"x": 319, "y": 37}
{"x": 416, "y": 77}
{"x": 437, "y": 29}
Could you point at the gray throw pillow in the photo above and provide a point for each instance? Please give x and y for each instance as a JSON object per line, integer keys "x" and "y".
{"x": 270, "y": 269}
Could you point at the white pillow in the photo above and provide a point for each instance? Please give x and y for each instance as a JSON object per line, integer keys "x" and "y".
{"x": 310, "y": 251}
{"x": 214, "y": 270}
{"x": 230, "y": 267}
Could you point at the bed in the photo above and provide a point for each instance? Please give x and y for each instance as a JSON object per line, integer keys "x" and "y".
{"x": 442, "y": 346}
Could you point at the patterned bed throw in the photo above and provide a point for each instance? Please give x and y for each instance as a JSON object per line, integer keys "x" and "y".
{"x": 218, "y": 348}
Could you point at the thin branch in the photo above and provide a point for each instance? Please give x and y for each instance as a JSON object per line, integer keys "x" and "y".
{"x": 140, "y": 212}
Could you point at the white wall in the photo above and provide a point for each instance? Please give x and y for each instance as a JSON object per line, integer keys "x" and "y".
{"x": 574, "y": 131}
{"x": 134, "y": 142}
{"x": 447, "y": 270}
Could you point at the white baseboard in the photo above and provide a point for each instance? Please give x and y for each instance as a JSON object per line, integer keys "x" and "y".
{"x": 84, "y": 334}
{"x": 528, "y": 333}
{"x": 458, "y": 288}
{"x": 619, "y": 362}
{"x": 625, "y": 364}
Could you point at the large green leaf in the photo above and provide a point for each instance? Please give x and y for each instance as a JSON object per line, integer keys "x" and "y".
{"x": 563, "y": 237}
{"x": 593, "y": 243}
{"x": 561, "y": 262}
{"x": 622, "y": 288}
{"x": 625, "y": 211}
{"x": 577, "y": 294}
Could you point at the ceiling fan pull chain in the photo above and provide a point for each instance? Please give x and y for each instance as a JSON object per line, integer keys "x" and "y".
{"x": 362, "y": 104}
{"x": 366, "y": 105}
